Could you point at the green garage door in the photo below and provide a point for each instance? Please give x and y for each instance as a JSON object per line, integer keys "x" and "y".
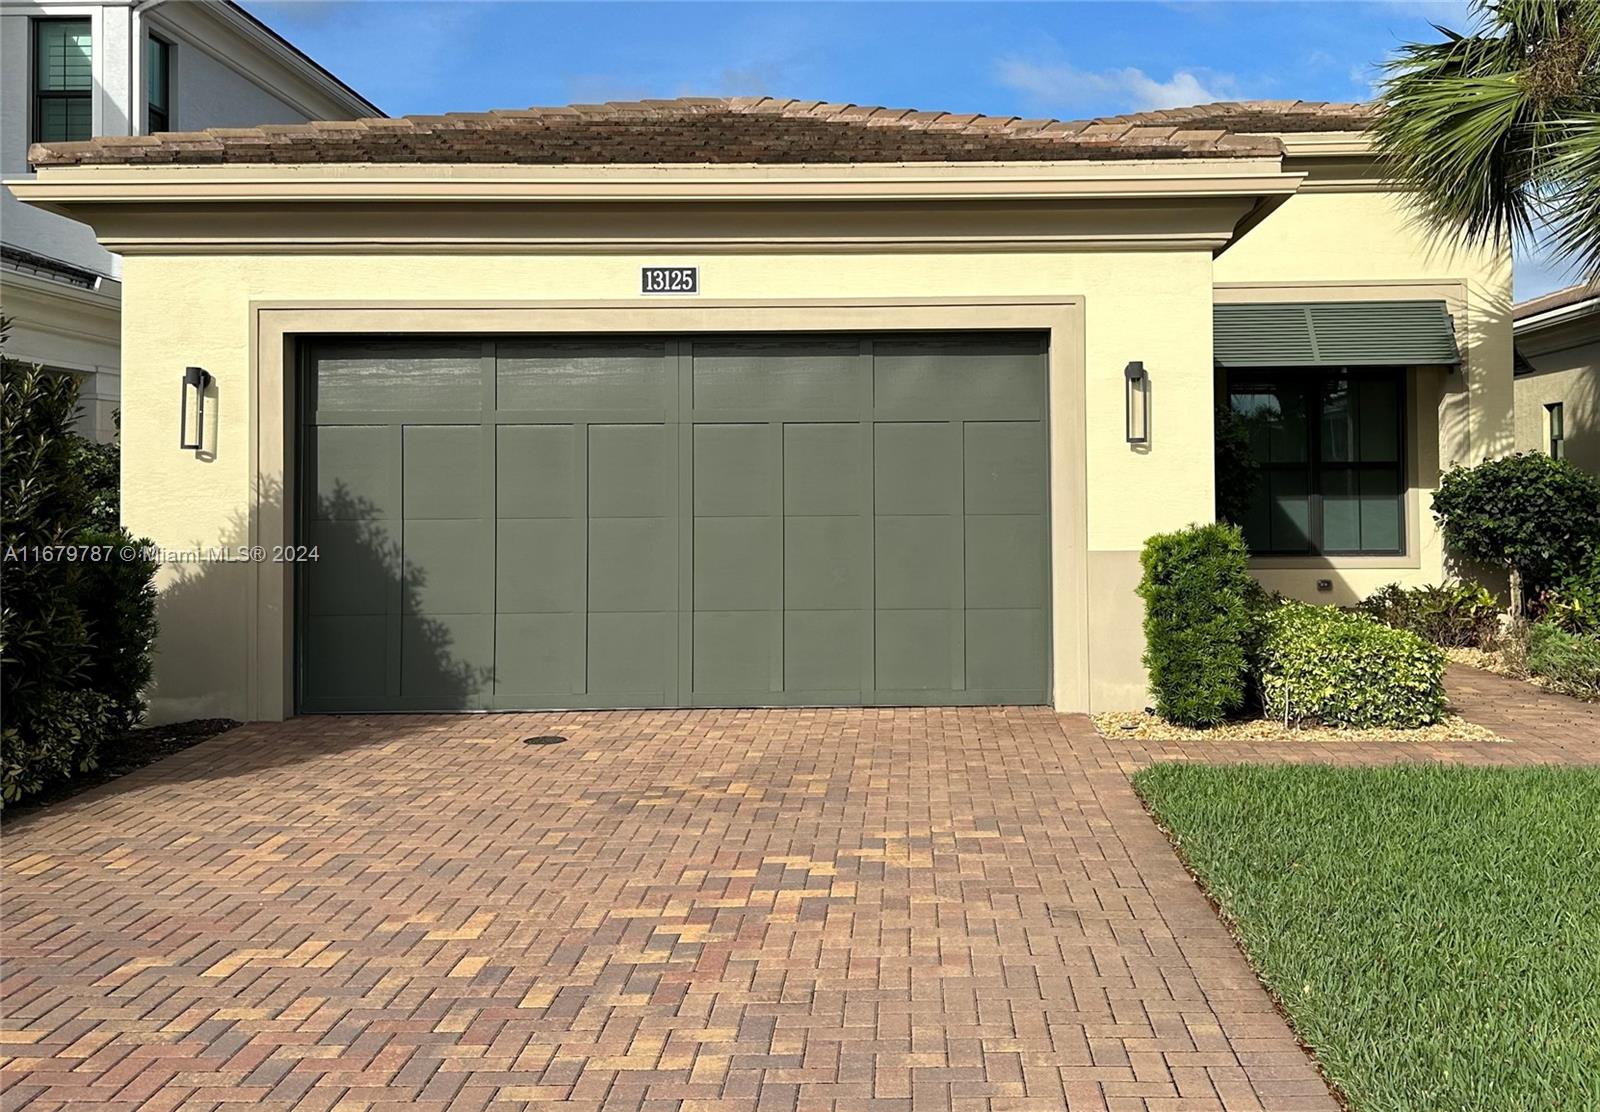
{"x": 535, "y": 522}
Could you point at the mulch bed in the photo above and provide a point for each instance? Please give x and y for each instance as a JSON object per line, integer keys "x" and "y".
{"x": 1148, "y": 727}
{"x": 132, "y": 751}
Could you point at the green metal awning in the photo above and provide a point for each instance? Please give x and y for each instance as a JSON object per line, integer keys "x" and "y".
{"x": 1335, "y": 334}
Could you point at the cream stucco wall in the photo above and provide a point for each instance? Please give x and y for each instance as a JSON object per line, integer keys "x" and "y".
{"x": 1356, "y": 243}
{"x": 1566, "y": 369}
{"x": 182, "y": 501}
{"x": 1139, "y": 273}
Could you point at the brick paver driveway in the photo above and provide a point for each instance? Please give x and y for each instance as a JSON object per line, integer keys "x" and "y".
{"x": 733, "y": 910}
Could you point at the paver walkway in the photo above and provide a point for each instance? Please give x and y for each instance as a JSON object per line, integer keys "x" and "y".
{"x": 795, "y": 909}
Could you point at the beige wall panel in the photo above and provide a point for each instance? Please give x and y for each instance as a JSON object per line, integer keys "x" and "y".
{"x": 1327, "y": 246}
{"x": 196, "y": 310}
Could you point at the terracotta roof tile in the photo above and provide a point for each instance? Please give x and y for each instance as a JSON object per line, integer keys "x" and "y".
{"x": 1558, "y": 299}
{"x": 706, "y": 130}
{"x": 1253, "y": 117}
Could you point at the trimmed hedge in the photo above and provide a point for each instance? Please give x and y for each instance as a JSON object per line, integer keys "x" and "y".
{"x": 1326, "y": 665}
{"x": 1569, "y": 661}
{"x": 1197, "y": 622}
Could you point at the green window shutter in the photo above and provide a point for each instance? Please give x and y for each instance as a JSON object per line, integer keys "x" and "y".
{"x": 1335, "y": 334}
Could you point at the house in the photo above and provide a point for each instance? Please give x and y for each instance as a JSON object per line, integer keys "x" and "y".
{"x": 733, "y": 402}
{"x": 1558, "y": 375}
{"x": 70, "y": 69}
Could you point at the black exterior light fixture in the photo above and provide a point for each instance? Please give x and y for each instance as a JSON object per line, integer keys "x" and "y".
{"x": 1138, "y": 403}
{"x": 195, "y": 379}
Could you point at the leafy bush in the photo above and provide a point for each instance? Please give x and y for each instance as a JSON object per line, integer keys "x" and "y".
{"x": 1574, "y": 605}
{"x": 99, "y": 467}
{"x": 1326, "y": 665}
{"x": 118, "y": 598}
{"x": 1458, "y": 615}
{"x": 1197, "y": 622}
{"x": 1537, "y": 517}
{"x": 50, "y": 722}
{"x": 68, "y": 679}
{"x": 1569, "y": 662}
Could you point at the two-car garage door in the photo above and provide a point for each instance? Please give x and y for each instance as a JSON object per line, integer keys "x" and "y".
{"x": 626, "y": 521}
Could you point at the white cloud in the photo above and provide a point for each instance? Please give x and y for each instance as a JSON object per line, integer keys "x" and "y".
{"x": 1061, "y": 87}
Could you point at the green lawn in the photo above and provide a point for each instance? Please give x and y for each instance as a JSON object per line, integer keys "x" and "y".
{"x": 1434, "y": 932}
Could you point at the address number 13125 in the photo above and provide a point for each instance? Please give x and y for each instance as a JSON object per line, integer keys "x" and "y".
{"x": 669, "y": 279}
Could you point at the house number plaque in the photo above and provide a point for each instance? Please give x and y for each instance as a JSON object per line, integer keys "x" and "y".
{"x": 669, "y": 279}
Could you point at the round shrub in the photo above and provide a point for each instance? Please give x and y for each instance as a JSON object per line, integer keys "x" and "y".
{"x": 1529, "y": 514}
{"x": 1326, "y": 665}
{"x": 1196, "y": 622}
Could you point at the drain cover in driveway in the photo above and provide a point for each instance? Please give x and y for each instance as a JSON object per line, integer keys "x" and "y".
{"x": 544, "y": 739}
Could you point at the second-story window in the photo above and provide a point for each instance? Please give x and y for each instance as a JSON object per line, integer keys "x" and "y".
{"x": 63, "y": 105}
{"x": 158, "y": 84}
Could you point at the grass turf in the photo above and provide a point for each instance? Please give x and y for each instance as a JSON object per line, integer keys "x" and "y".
{"x": 1433, "y": 932}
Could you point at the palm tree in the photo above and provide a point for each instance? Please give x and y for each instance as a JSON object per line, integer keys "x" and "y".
{"x": 1498, "y": 131}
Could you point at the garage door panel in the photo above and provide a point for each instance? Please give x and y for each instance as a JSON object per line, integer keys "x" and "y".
{"x": 442, "y": 469}
{"x": 582, "y": 374}
{"x": 537, "y": 471}
{"x": 915, "y": 649}
{"x": 822, "y": 650}
{"x": 539, "y": 654}
{"x": 963, "y": 374}
{"x": 357, "y": 477}
{"x": 822, "y": 469}
{"x": 347, "y": 657}
{"x": 357, "y": 569}
{"x": 448, "y": 568}
{"x": 917, "y": 468}
{"x": 1005, "y": 561}
{"x": 633, "y": 564}
{"x": 541, "y": 565}
{"x": 918, "y": 562}
{"x": 734, "y": 470}
{"x": 825, "y": 564}
{"x": 410, "y": 374}
{"x": 447, "y": 659}
{"x": 632, "y": 470}
{"x": 783, "y": 374}
{"x": 1004, "y": 463}
{"x": 737, "y": 653}
{"x": 633, "y": 654}
{"x": 737, "y": 563}
{"x": 1005, "y": 650}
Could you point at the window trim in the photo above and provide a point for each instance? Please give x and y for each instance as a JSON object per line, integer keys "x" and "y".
{"x": 36, "y": 95}
{"x": 1314, "y": 466}
{"x": 166, "y": 81}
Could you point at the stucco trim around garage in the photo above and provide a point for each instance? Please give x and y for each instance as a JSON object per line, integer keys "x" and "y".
{"x": 274, "y": 326}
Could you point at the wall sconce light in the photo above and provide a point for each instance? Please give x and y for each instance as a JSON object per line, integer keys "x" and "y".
{"x": 1138, "y": 403}
{"x": 195, "y": 379}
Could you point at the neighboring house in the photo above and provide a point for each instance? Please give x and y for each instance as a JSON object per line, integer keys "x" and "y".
{"x": 1558, "y": 375}
{"x": 71, "y": 69}
{"x": 890, "y": 426}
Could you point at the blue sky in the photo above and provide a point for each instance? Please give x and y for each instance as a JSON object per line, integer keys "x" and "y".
{"x": 1062, "y": 59}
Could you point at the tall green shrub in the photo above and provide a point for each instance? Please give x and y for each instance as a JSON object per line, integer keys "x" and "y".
{"x": 1196, "y": 623}
{"x": 75, "y": 632}
{"x": 118, "y": 598}
{"x": 1535, "y": 517}
{"x": 51, "y": 721}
